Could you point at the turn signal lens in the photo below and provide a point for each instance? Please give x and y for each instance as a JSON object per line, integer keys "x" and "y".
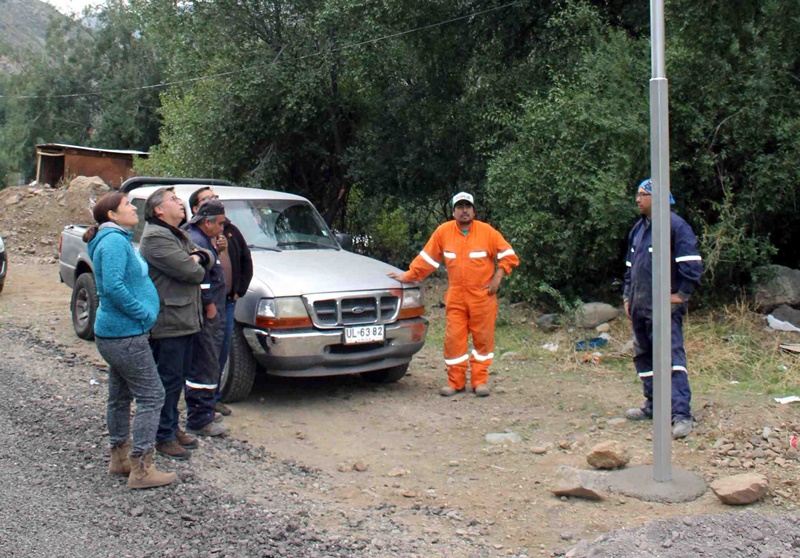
{"x": 282, "y": 313}
{"x": 412, "y": 305}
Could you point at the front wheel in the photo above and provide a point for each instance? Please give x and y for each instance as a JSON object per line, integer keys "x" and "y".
{"x": 237, "y": 378}
{"x": 84, "y": 306}
{"x": 387, "y": 375}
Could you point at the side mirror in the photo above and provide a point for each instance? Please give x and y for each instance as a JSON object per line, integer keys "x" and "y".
{"x": 344, "y": 240}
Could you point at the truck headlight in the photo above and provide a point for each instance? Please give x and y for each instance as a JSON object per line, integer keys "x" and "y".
{"x": 2, "y": 246}
{"x": 411, "y": 305}
{"x": 282, "y": 313}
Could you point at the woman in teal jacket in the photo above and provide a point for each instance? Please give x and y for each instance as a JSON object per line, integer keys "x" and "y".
{"x": 128, "y": 309}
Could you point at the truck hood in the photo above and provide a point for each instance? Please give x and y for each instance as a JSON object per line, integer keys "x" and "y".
{"x": 305, "y": 272}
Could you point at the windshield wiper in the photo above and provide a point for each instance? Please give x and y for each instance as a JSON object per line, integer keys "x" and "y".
{"x": 307, "y": 243}
{"x": 270, "y": 248}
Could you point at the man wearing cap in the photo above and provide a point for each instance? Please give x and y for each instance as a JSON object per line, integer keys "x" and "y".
{"x": 638, "y": 298}
{"x": 476, "y": 257}
{"x": 201, "y": 385}
{"x": 237, "y": 265}
{"x": 177, "y": 267}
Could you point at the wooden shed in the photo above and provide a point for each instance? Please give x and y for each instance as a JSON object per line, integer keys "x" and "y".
{"x": 59, "y": 161}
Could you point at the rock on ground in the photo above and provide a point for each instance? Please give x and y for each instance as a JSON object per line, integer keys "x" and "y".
{"x": 577, "y": 484}
{"x": 595, "y": 313}
{"x": 740, "y": 489}
{"x": 608, "y": 455}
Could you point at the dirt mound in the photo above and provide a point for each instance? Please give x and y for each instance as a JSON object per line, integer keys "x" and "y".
{"x": 33, "y": 216}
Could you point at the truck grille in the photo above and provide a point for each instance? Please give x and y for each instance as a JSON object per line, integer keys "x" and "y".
{"x": 353, "y": 309}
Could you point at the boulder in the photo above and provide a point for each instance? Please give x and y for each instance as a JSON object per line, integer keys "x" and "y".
{"x": 547, "y": 321}
{"x": 88, "y": 184}
{"x": 608, "y": 455}
{"x": 781, "y": 286}
{"x": 595, "y": 313}
{"x": 740, "y": 490}
{"x": 577, "y": 484}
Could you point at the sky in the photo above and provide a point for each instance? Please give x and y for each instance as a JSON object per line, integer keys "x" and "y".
{"x": 70, "y": 6}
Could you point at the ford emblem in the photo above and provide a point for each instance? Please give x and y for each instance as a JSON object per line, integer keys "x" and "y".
{"x": 358, "y": 310}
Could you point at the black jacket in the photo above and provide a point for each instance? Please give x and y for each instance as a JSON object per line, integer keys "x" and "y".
{"x": 241, "y": 261}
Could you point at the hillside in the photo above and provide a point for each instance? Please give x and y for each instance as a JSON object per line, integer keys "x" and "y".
{"x": 23, "y": 24}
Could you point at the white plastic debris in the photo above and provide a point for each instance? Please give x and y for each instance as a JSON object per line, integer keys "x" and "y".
{"x": 787, "y": 399}
{"x": 779, "y": 325}
{"x": 550, "y": 346}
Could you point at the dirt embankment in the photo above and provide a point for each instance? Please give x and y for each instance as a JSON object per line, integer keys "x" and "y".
{"x": 33, "y": 216}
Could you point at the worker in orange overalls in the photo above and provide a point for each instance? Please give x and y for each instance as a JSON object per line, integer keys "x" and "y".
{"x": 469, "y": 249}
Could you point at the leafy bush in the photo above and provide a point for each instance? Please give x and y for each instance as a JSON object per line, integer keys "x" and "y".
{"x": 561, "y": 191}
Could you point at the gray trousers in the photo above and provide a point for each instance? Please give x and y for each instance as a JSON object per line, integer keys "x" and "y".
{"x": 132, "y": 375}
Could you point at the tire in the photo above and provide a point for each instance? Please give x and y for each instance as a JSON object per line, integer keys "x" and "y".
{"x": 2, "y": 282}
{"x": 387, "y": 375}
{"x": 83, "y": 306}
{"x": 237, "y": 378}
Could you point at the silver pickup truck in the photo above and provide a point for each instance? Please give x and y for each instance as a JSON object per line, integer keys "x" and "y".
{"x": 312, "y": 308}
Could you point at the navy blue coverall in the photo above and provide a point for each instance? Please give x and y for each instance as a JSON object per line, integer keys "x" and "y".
{"x": 201, "y": 383}
{"x": 686, "y": 270}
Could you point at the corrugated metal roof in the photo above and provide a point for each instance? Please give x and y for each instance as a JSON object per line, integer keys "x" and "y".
{"x": 94, "y": 149}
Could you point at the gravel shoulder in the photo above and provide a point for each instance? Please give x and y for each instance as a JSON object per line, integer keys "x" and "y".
{"x": 58, "y": 500}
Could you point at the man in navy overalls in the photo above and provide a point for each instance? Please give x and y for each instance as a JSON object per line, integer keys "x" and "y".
{"x": 686, "y": 267}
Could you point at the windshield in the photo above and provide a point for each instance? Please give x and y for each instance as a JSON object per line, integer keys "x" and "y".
{"x": 282, "y": 224}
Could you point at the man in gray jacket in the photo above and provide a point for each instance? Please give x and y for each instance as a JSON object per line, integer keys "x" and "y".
{"x": 177, "y": 267}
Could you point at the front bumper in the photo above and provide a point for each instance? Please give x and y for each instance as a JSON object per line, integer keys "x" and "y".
{"x": 313, "y": 352}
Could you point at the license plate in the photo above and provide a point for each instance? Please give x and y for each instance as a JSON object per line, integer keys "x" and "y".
{"x": 363, "y": 334}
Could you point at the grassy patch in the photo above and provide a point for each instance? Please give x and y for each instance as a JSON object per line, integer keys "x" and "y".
{"x": 730, "y": 347}
{"x": 727, "y": 348}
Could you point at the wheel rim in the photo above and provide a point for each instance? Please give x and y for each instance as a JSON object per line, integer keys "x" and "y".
{"x": 82, "y": 307}
{"x": 223, "y": 377}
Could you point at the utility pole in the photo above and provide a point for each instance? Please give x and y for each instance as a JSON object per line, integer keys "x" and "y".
{"x": 659, "y": 172}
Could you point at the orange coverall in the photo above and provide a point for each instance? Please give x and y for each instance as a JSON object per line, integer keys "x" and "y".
{"x": 470, "y": 264}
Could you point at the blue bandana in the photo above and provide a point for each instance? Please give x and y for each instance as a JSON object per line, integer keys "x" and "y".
{"x": 647, "y": 186}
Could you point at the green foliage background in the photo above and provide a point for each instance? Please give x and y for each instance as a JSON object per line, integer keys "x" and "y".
{"x": 380, "y": 110}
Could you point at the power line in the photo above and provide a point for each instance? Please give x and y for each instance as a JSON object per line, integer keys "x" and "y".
{"x": 257, "y": 66}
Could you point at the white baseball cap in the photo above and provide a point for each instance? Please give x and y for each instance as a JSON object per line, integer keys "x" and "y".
{"x": 463, "y": 196}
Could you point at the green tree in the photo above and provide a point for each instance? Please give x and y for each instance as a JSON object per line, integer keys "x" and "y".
{"x": 90, "y": 87}
{"x": 561, "y": 189}
{"x": 735, "y": 100}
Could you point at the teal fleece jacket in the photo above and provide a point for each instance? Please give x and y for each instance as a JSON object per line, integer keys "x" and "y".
{"x": 128, "y": 299}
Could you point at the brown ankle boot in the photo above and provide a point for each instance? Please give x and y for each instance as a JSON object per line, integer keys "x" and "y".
{"x": 120, "y": 464}
{"x": 145, "y": 475}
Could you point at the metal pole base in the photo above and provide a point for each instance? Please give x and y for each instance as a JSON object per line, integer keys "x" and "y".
{"x": 638, "y": 482}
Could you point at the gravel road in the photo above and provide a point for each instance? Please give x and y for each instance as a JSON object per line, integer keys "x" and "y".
{"x": 57, "y": 500}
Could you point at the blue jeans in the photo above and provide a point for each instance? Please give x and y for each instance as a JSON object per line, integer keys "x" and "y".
{"x": 132, "y": 375}
{"x": 173, "y": 356}
{"x": 230, "y": 305}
